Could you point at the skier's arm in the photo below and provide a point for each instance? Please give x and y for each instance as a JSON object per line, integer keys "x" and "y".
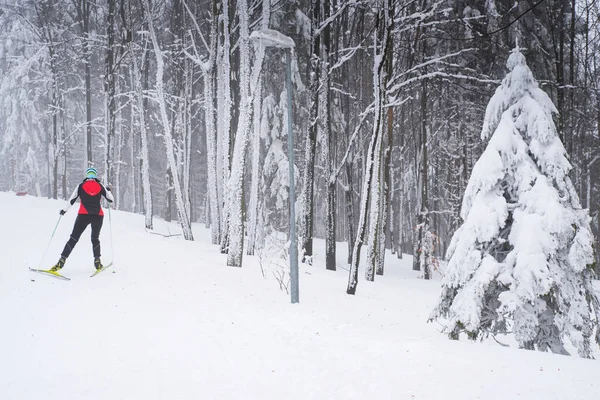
{"x": 71, "y": 201}
{"x": 107, "y": 194}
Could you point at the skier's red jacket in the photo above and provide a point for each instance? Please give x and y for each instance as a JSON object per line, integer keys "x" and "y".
{"x": 90, "y": 192}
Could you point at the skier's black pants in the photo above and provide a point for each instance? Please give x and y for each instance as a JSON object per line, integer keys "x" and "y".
{"x": 82, "y": 221}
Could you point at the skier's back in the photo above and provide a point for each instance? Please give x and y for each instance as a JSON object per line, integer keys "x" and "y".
{"x": 90, "y": 192}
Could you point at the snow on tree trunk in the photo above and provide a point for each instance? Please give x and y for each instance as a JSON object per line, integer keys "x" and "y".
{"x": 326, "y": 137}
{"x": 330, "y": 226}
{"x": 211, "y": 139}
{"x": 209, "y": 72}
{"x": 187, "y": 135}
{"x": 400, "y": 233}
{"x": 364, "y": 204}
{"x": 382, "y": 236}
{"x": 182, "y": 86}
{"x": 133, "y": 150}
{"x": 253, "y": 209}
{"x": 392, "y": 211}
{"x": 308, "y": 178}
{"x": 522, "y": 260}
{"x": 85, "y": 47}
{"x": 423, "y": 254}
{"x": 256, "y": 93}
{"x": 110, "y": 94}
{"x": 349, "y": 196}
{"x": 118, "y": 150}
{"x": 370, "y": 189}
{"x": 181, "y": 209}
{"x": 145, "y": 167}
{"x": 386, "y": 225}
{"x": 374, "y": 201}
{"x": 32, "y": 170}
{"x": 224, "y": 124}
{"x": 55, "y": 136}
{"x": 236, "y": 180}
{"x": 375, "y": 214}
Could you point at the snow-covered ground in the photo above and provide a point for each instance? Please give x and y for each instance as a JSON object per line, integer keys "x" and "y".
{"x": 171, "y": 321}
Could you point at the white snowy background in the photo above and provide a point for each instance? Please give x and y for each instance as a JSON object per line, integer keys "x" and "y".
{"x": 171, "y": 321}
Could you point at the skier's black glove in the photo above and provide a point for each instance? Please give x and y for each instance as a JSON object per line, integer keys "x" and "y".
{"x": 62, "y": 212}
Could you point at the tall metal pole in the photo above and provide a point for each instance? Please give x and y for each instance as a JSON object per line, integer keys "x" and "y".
{"x": 292, "y": 196}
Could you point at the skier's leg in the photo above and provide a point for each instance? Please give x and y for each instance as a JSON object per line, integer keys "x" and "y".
{"x": 80, "y": 224}
{"x": 96, "y": 227}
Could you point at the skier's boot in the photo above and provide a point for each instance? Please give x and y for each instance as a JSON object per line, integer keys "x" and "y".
{"x": 98, "y": 264}
{"x": 59, "y": 265}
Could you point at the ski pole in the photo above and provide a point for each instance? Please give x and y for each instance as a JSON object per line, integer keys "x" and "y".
{"x": 50, "y": 241}
{"x": 112, "y": 247}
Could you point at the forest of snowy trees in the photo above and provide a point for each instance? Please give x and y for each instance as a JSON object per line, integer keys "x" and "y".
{"x": 185, "y": 116}
{"x": 413, "y": 133}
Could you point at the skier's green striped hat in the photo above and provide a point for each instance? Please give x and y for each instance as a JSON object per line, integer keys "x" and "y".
{"x": 91, "y": 173}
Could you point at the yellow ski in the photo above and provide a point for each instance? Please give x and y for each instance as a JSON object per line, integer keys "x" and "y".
{"x": 50, "y": 273}
{"x": 100, "y": 270}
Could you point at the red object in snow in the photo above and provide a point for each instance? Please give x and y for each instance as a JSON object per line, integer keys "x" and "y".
{"x": 21, "y": 193}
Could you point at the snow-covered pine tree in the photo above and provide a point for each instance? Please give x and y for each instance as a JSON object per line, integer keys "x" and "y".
{"x": 522, "y": 259}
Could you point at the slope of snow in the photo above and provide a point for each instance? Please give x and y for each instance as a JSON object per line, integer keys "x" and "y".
{"x": 171, "y": 321}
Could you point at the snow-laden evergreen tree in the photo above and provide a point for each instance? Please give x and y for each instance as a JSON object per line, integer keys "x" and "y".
{"x": 522, "y": 260}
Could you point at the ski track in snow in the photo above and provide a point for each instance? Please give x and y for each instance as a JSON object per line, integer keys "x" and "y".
{"x": 170, "y": 320}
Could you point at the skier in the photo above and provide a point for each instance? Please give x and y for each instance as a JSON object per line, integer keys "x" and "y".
{"x": 90, "y": 213}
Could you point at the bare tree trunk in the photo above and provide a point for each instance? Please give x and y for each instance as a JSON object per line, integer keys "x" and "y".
{"x": 328, "y": 143}
{"x": 349, "y": 189}
{"x": 400, "y": 234}
{"x": 169, "y": 195}
{"x": 350, "y": 209}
